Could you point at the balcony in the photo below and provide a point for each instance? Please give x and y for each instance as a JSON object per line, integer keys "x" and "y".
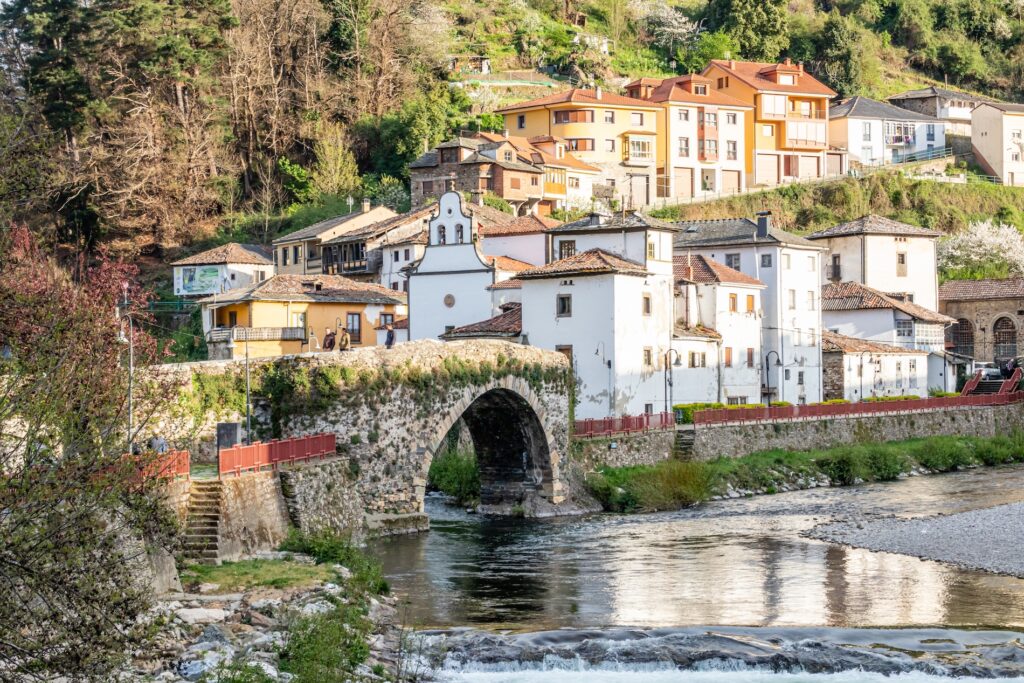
{"x": 707, "y": 155}
{"x": 551, "y": 189}
{"x": 223, "y": 334}
{"x": 355, "y": 266}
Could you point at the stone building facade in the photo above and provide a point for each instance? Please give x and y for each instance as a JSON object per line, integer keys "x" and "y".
{"x": 989, "y": 318}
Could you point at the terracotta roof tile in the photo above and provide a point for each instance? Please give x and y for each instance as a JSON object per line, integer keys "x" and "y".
{"x": 873, "y": 225}
{"x": 700, "y": 269}
{"x": 511, "y": 283}
{"x": 524, "y": 225}
{"x": 972, "y": 290}
{"x": 508, "y": 323}
{"x": 399, "y": 324}
{"x": 673, "y": 90}
{"x": 590, "y": 262}
{"x": 853, "y": 296}
{"x": 697, "y": 331}
{"x": 578, "y": 96}
{"x": 232, "y": 252}
{"x": 840, "y": 343}
{"x": 508, "y": 264}
{"x": 753, "y": 74}
{"x": 332, "y": 289}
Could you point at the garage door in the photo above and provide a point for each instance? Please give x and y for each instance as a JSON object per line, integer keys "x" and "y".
{"x": 809, "y": 167}
{"x": 639, "y": 192}
{"x": 835, "y": 164}
{"x": 730, "y": 181}
{"x": 684, "y": 182}
{"x": 767, "y": 170}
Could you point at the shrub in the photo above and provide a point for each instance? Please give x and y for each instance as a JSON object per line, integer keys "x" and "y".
{"x": 943, "y": 454}
{"x": 669, "y": 485}
{"x": 455, "y": 473}
{"x": 880, "y": 399}
{"x": 843, "y": 466}
{"x": 328, "y": 548}
{"x": 885, "y": 464}
{"x": 684, "y": 411}
{"x": 995, "y": 451}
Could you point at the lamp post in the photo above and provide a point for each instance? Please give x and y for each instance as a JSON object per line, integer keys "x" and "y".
{"x": 130, "y": 340}
{"x": 668, "y": 375}
{"x": 248, "y": 401}
{"x": 767, "y": 373}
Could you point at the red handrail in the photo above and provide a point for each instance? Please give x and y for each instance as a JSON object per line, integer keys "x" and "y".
{"x": 259, "y": 455}
{"x": 971, "y": 384}
{"x": 627, "y": 424}
{"x": 168, "y": 465}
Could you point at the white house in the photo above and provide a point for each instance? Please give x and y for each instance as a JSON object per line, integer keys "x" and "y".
{"x": 998, "y": 141}
{"x": 856, "y": 369}
{"x": 525, "y": 239}
{"x": 789, "y": 267}
{"x": 717, "y": 333}
{"x": 951, "y": 106}
{"x": 893, "y": 257}
{"x": 397, "y": 256}
{"x": 217, "y": 270}
{"x": 856, "y": 310}
{"x": 879, "y": 133}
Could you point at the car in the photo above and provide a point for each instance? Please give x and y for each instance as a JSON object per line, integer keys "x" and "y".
{"x": 988, "y": 370}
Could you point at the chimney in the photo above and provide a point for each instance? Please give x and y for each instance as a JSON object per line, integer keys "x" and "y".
{"x": 505, "y": 133}
{"x": 800, "y": 65}
{"x": 732, "y": 63}
{"x": 764, "y": 223}
{"x": 366, "y": 205}
{"x": 788, "y": 62}
{"x": 478, "y": 197}
{"x": 597, "y": 92}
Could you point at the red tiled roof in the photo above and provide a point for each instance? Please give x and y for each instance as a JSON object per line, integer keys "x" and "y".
{"x": 508, "y": 264}
{"x": 399, "y": 324}
{"x": 508, "y": 323}
{"x": 578, "y": 96}
{"x": 527, "y": 148}
{"x": 672, "y": 90}
{"x": 524, "y": 225}
{"x": 232, "y": 252}
{"x": 590, "y": 262}
{"x": 753, "y": 74}
{"x": 332, "y": 289}
{"x": 853, "y": 296}
{"x": 840, "y": 343}
{"x": 971, "y": 290}
{"x": 700, "y": 269}
{"x": 511, "y": 283}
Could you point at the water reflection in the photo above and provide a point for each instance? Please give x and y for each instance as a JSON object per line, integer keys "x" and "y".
{"x": 740, "y": 562}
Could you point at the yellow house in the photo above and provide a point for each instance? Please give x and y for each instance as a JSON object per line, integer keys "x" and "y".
{"x": 787, "y": 136}
{"x": 616, "y": 134}
{"x": 290, "y": 314}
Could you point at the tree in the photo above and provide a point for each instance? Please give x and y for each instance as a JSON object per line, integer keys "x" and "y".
{"x": 985, "y": 249}
{"x": 759, "y": 26}
{"x": 709, "y": 45}
{"x": 839, "y": 56}
{"x": 669, "y": 28}
{"x": 75, "y": 509}
{"x": 390, "y": 192}
{"x": 335, "y": 172}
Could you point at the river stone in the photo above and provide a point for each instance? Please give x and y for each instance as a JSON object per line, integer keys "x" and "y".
{"x": 201, "y": 615}
{"x": 317, "y": 607}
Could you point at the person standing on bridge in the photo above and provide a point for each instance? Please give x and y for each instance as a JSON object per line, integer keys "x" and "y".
{"x": 389, "y": 338}
{"x": 345, "y": 340}
{"x": 329, "y": 338}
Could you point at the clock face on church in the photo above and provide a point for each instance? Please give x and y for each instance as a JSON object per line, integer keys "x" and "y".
{"x": 449, "y": 300}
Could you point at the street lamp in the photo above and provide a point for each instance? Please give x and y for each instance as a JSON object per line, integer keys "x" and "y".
{"x": 767, "y": 375}
{"x": 123, "y": 315}
{"x": 248, "y": 402}
{"x": 668, "y": 375}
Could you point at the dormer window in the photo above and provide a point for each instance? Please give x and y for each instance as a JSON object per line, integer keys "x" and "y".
{"x": 700, "y": 89}
{"x": 787, "y": 79}
{"x": 508, "y": 156}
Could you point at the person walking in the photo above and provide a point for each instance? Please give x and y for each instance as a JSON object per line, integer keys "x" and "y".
{"x": 345, "y": 340}
{"x": 389, "y": 338}
{"x": 329, "y": 339}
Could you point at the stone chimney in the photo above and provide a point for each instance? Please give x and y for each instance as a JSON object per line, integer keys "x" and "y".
{"x": 764, "y": 224}
{"x": 366, "y": 205}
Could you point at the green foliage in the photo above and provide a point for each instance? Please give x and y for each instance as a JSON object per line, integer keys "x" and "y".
{"x": 187, "y": 343}
{"x": 296, "y": 181}
{"x": 456, "y": 474}
{"x": 246, "y": 574}
{"x": 758, "y": 26}
{"x": 327, "y": 647}
{"x": 943, "y": 455}
{"x": 709, "y": 45}
{"x": 668, "y": 485}
{"x": 839, "y": 55}
{"x": 884, "y": 399}
{"x": 495, "y": 202}
{"x": 238, "y": 672}
{"x": 328, "y": 548}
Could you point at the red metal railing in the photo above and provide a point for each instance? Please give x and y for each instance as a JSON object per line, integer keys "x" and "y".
{"x": 971, "y": 384}
{"x": 720, "y": 416}
{"x": 628, "y": 424}
{"x": 1010, "y": 385}
{"x": 255, "y": 457}
{"x": 168, "y": 465}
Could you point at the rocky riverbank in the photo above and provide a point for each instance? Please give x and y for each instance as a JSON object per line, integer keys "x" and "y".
{"x": 216, "y": 635}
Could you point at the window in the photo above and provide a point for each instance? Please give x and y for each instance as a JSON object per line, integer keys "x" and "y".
{"x": 810, "y": 337}
{"x": 737, "y": 400}
{"x": 387, "y": 319}
{"x": 810, "y": 300}
{"x": 912, "y": 367}
{"x": 728, "y": 356}
{"x": 750, "y": 303}
{"x": 684, "y": 114}
{"x": 697, "y": 359}
{"x": 609, "y": 145}
{"x": 1016, "y": 135}
{"x": 750, "y": 357}
{"x": 284, "y": 256}
{"x": 733, "y": 261}
{"x": 733, "y": 303}
{"x": 787, "y": 79}
{"x": 261, "y": 275}
{"x": 647, "y": 305}
{"x": 521, "y": 121}
{"x": 652, "y": 249}
{"x": 904, "y": 328}
{"x": 296, "y": 253}
{"x": 901, "y": 264}
{"x": 649, "y": 408}
{"x": 798, "y": 337}
{"x": 534, "y": 180}
{"x": 792, "y": 299}
{"x": 962, "y": 333}
{"x": 866, "y": 136}
{"x": 508, "y": 155}
{"x": 394, "y": 286}
{"x": 636, "y": 118}
{"x": 700, "y": 90}
{"x": 785, "y": 374}
{"x": 684, "y": 147}
{"x": 563, "y": 306}
{"x": 773, "y": 106}
{"x": 787, "y": 262}
{"x": 405, "y": 285}
{"x": 768, "y": 130}
{"x": 580, "y": 116}
{"x": 930, "y": 132}
{"x": 354, "y": 323}
{"x": 449, "y": 156}
{"x": 442, "y": 237}
{"x": 299, "y": 320}
{"x": 574, "y": 182}
{"x": 395, "y": 256}
{"x": 800, "y": 378}
{"x": 609, "y": 117}
{"x": 640, "y": 149}
{"x": 514, "y": 183}
{"x": 766, "y": 260}
{"x": 648, "y": 357}
{"x": 731, "y": 150}
{"x": 427, "y": 187}
{"x": 566, "y": 248}
{"x": 1004, "y": 334}
{"x": 730, "y": 119}
{"x": 459, "y": 237}
{"x": 232, "y": 318}
{"x": 810, "y": 264}
{"x": 581, "y": 144}
{"x": 406, "y": 255}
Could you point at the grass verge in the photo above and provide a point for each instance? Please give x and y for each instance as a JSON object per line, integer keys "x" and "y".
{"x": 673, "y": 484}
{"x": 238, "y": 576}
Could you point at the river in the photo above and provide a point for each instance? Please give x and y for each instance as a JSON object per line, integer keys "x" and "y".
{"x": 669, "y": 579}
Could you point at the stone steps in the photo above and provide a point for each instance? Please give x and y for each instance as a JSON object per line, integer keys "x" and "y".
{"x": 201, "y": 542}
{"x": 683, "y": 446}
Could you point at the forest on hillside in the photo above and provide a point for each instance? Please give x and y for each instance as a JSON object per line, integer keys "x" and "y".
{"x": 146, "y": 124}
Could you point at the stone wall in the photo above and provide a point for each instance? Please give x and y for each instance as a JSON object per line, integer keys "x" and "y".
{"x": 629, "y": 449}
{"x": 254, "y": 516}
{"x": 323, "y": 496}
{"x": 833, "y": 375}
{"x": 737, "y": 440}
{"x": 983, "y": 316}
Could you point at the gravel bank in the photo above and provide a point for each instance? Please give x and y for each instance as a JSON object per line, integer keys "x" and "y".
{"x": 990, "y": 539}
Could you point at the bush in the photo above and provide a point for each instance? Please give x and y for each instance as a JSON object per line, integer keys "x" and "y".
{"x": 939, "y": 393}
{"x": 670, "y": 485}
{"x": 882, "y": 399}
{"x": 456, "y": 474}
{"x": 943, "y": 454}
{"x": 885, "y": 464}
{"x": 998, "y": 450}
{"x": 844, "y": 466}
{"x": 328, "y": 548}
{"x": 684, "y": 411}
{"x": 612, "y": 497}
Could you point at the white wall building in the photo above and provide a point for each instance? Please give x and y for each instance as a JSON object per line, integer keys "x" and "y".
{"x": 892, "y": 257}
{"x": 879, "y": 133}
{"x": 952, "y": 106}
{"x": 856, "y": 369}
{"x": 396, "y": 257}
{"x": 789, "y": 267}
{"x": 717, "y": 333}
{"x": 998, "y": 141}
{"x": 222, "y": 268}
{"x": 524, "y": 239}
{"x": 855, "y": 310}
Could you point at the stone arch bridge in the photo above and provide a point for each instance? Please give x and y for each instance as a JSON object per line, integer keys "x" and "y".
{"x": 391, "y": 411}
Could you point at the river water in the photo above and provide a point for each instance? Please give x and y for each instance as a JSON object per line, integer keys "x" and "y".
{"x": 733, "y": 563}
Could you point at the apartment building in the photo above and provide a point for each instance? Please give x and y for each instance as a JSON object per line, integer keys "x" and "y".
{"x": 877, "y": 133}
{"x": 998, "y": 140}
{"x": 701, "y": 136}
{"x": 616, "y": 134}
{"x": 787, "y": 135}
{"x": 953, "y": 107}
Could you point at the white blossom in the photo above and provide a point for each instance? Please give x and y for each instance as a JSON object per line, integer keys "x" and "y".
{"x": 981, "y": 246}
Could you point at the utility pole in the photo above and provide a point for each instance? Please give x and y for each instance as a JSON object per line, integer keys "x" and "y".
{"x": 123, "y": 314}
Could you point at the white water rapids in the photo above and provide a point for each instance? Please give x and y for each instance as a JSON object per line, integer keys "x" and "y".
{"x": 565, "y": 676}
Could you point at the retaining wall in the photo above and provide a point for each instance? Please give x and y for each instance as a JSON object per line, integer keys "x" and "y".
{"x": 323, "y": 496}
{"x": 254, "y": 516}
{"x": 646, "y": 448}
{"x": 741, "y": 439}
